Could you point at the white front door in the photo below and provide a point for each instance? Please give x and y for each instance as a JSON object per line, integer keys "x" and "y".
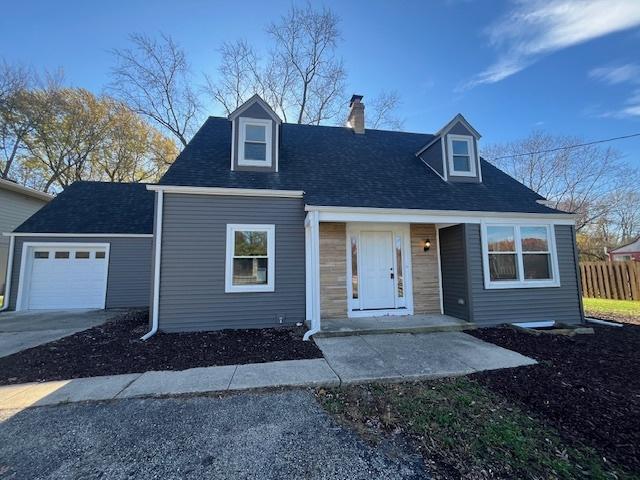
{"x": 378, "y": 284}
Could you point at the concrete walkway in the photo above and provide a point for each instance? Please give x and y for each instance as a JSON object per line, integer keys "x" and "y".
{"x": 405, "y": 356}
{"x": 347, "y": 360}
{"x": 22, "y": 330}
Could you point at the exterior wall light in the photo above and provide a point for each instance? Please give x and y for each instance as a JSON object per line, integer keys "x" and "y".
{"x": 427, "y": 245}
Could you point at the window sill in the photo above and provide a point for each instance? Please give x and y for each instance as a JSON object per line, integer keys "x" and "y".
{"x": 254, "y": 163}
{"x": 249, "y": 289}
{"x": 521, "y": 285}
{"x": 454, "y": 173}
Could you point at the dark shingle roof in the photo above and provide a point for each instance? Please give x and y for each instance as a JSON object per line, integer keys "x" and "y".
{"x": 95, "y": 207}
{"x": 336, "y": 167}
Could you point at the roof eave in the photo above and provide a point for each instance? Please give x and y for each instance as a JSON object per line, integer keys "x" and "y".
{"x": 30, "y": 192}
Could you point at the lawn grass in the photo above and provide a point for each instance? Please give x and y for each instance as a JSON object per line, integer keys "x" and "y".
{"x": 463, "y": 430}
{"x": 628, "y": 308}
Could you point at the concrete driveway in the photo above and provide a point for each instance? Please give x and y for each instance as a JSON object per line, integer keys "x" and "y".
{"x": 22, "y": 330}
{"x": 283, "y": 435}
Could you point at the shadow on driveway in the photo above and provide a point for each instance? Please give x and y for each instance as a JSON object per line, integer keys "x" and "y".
{"x": 22, "y": 330}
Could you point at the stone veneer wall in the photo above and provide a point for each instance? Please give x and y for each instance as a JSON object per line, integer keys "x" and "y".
{"x": 333, "y": 270}
{"x": 426, "y": 291}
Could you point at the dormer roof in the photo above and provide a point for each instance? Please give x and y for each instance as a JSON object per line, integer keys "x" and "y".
{"x": 459, "y": 118}
{"x": 255, "y": 99}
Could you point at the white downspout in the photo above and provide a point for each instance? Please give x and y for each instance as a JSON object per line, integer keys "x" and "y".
{"x": 156, "y": 267}
{"x": 315, "y": 275}
{"x": 7, "y": 283}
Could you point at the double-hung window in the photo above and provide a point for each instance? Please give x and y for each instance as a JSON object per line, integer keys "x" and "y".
{"x": 461, "y": 156}
{"x": 519, "y": 256}
{"x": 255, "y": 142}
{"x": 250, "y": 262}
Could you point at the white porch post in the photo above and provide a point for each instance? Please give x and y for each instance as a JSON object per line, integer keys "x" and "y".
{"x": 312, "y": 254}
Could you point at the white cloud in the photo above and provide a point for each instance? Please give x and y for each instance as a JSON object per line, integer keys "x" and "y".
{"x": 613, "y": 75}
{"x": 534, "y": 28}
{"x": 626, "y": 74}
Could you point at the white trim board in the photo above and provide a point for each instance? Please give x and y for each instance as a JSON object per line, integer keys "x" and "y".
{"x": 27, "y": 246}
{"x": 390, "y": 215}
{"x": 242, "y": 192}
{"x": 83, "y": 235}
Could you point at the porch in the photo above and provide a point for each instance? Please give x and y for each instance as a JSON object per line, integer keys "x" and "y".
{"x": 420, "y": 323}
{"x": 367, "y": 277}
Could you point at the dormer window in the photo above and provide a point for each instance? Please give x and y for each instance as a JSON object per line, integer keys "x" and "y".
{"x": 461, "y": 156}
{"x": 255, "y": 142}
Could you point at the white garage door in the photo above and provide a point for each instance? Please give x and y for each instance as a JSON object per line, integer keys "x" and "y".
{"x": 65, "y": 276}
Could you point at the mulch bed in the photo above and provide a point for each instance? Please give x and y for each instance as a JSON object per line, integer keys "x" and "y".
{"x": 587, "y": 386}
{"x": 115, "y": 348}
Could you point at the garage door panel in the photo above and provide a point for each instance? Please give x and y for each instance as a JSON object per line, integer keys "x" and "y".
{"x": 66, "y": 281}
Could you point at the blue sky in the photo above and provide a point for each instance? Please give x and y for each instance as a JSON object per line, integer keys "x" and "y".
{"x": 566, "y": 66}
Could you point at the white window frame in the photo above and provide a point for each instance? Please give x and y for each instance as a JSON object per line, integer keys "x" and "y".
{"x": 229, "y": 287}
{"x": 554, "y": 281}
{"x": 472, "y": 156}
{"x": 268, "y": 126}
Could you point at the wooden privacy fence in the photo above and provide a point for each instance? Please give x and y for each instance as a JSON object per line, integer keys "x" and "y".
{"x": 613, "y": 280}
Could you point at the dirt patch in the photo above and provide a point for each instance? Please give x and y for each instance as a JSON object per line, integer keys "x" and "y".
{"x": 463, "y": 431}
{"x": 587, "y": 386}
{"x": 115, "y": 348}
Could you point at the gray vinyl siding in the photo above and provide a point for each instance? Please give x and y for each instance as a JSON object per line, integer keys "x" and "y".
{"x": 128, "y": 283}
{"x": 192, "y": 268}
{"x": 255, "y": 111}
{"x": 562, "y": 304}
{"x": 460, "y": 129}
{"x": 432, "y": 156}
{"x": 15, "y": 208}
{"x": 453, "y": 263}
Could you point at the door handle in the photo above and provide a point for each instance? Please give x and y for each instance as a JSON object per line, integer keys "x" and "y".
{"x": 391, "y": 275}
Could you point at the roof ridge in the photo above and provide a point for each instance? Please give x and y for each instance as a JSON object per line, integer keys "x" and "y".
{"x": 342, "y": 127}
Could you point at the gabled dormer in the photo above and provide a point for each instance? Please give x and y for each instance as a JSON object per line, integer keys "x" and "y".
{"x": 453, "y": 153}
{"x": 255, "y": 136}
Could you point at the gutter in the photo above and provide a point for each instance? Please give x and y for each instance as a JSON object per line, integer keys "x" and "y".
{"x": 156, "y": 267}
{"x": 308, "y": 333}
{"x": 7, "y": 283}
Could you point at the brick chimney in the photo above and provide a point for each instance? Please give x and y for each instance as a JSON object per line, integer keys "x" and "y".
{"x": 356, "y": 114}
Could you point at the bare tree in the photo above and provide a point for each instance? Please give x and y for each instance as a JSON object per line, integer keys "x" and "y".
{"x": 239, "y": 78}
{"x": 301, "y": 77}
{"x": 382, "y": 111}
{"x": 154, "y": 79}
{"x": 586, "y": 180}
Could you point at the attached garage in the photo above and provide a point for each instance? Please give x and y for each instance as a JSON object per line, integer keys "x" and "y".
{"x": 89, "y": 248}
{"x": 63, "y": 275}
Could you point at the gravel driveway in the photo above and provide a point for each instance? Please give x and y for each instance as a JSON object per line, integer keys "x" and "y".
{"x": 283, "y": 435}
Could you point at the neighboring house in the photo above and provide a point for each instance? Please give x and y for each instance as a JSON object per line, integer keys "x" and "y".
{"x": 626, "y": 253}
{"x": 260, "y": 223}
{"x": 17, "y": 203}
